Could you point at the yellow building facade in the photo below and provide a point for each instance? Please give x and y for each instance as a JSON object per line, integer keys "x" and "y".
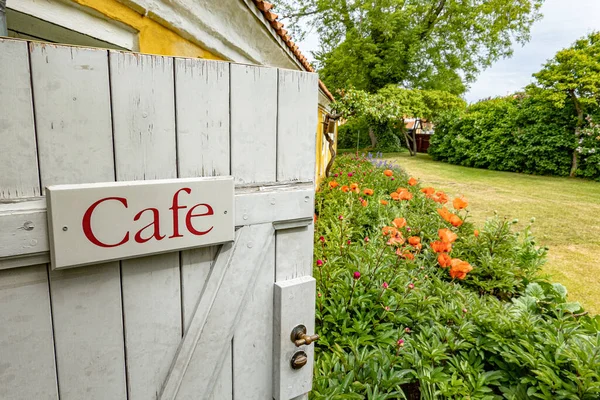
{"x": 243, "y": 31}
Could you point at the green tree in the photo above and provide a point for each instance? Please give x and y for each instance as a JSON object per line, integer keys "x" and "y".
{"x": 388, "y": 108}
{"x": 423, "y": 44}
{"x": 574, "y": 75}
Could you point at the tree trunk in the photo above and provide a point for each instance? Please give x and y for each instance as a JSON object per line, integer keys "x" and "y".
{"x": 373, "y": 137}
{"x": 579, "y": 110}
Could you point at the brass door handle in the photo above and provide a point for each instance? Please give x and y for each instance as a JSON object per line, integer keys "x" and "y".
{"x": 300, "y": 338}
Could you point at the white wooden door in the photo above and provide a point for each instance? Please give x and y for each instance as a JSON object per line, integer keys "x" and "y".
{"x": 205, "y": 323}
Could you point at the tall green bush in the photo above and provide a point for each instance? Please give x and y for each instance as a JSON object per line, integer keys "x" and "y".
{"x": 526, "y": 132}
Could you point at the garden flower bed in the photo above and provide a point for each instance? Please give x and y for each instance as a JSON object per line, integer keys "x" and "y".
{"x": 415, "y": 302}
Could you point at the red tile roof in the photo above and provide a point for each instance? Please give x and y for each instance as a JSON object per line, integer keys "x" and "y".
{"x": 265, "y": 7}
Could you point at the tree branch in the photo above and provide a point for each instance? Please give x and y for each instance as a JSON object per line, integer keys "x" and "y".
{"x": 431, "y": 18}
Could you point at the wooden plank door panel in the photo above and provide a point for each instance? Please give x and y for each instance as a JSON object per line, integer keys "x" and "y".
{"x": 253, "y": 123}
{"x": 75, "y": 146}
{"x": 206, "y": 343}
{"x": 143, "y": 104}
{"x": 26, "y": 343}
{"x": 202, "y": 114}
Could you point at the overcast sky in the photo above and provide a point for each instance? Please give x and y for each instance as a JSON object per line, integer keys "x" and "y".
{"x": 564, "y": 22}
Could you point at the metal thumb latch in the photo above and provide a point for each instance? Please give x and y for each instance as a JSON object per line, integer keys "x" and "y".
{"x": 300, "y": 338}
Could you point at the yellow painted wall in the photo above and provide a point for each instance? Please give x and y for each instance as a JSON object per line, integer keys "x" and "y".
{"x": 322, "y": 148}
{"x": 153, "y": 38}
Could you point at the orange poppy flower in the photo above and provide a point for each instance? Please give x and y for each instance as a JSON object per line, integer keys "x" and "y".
{"x": 364, "y": 203}
{"x": 441, "y": 247}
{"x": 440, "y": 197}
{"x": 354, "y": 187}
{"x": 444, "y": 260}
{"x": 476, "y": 233}
{"x": 395, "y": 196}
{"x": 459, "y": 203}
{"x": 456, "y": 221}
{"x": 446, "y": 235}
{"x": 368, "y": 192}
{"x": 389, "y": 230}
{"x": 396, "y": 240}
{"x": 445, "y": 214}
{"x": 412, "y": 181}
{"x": 345, "y": 188}
{"x": 333, "y": 184}
{"x": 383, "y": 202}
{"x": 407, "y": 255}
{"x": 315, "y": 218}
{"x": 406, "y": 195}
{"x": 399, "y": 222}
{"x": 459, "y": 268}
{"x": 388, "y": 172}
{"x": 429, "y": 191}
{"x": 414, "y": 240}
{"x": 401, "y": 189}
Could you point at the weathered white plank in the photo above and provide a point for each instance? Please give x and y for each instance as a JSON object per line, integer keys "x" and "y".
{"x": 296, "y": 125}
{"x": 72, "y": 113}
{"x": 143, "y": 116}
{"x": 26, "y": 344}
{"x": 208, "y": 339}
{"x": 254, "y": 205}
{"x": 18, "y": 163}
{"x": 224, "y": 383}
{"x": 287, "y": 382}
{"x": 202, "y": 112}
{"x": 74, "y": 133}
{"x": 152, "y": 321}
{"x": 253, "y": 123}
{"x": 196, "y": 266}
{"x": 294, "y": 256}
{"x": 23, "y": 227}
{"x": 202, "y": 99}
{"x": 253, "y": 353}
{"x": 143, "y": 104}
{"x": 27, "y": 369}
{"x": 89, "y": 334}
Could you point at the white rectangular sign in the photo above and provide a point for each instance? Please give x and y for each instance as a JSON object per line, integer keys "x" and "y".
{"x": 100, "y": 222}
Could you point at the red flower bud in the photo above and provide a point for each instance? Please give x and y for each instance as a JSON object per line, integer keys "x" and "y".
{"x": 357, "y": 275}
{"x": 319, "y": 262}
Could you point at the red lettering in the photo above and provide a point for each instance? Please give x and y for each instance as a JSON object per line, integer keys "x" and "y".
{"x": 189, "y": 216}
{"x": 175, "y": 208}
{"x": 86, "y": 223}
{"x": 155, "y": 223}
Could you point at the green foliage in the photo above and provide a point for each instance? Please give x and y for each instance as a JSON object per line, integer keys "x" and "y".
{"x": 526, "y": 133}
{"x": 573, "y": 75}
{"x": 406, "y": 329}
{"x": 574, "y": 72}
{"x": 384, "y": 113}
{"x": 425, "y": 44}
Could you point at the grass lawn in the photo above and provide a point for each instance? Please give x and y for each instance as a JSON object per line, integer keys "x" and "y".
{"x": 567, "y": 213}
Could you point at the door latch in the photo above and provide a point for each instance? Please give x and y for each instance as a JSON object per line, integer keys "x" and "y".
{"x": 300, "y": 338}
